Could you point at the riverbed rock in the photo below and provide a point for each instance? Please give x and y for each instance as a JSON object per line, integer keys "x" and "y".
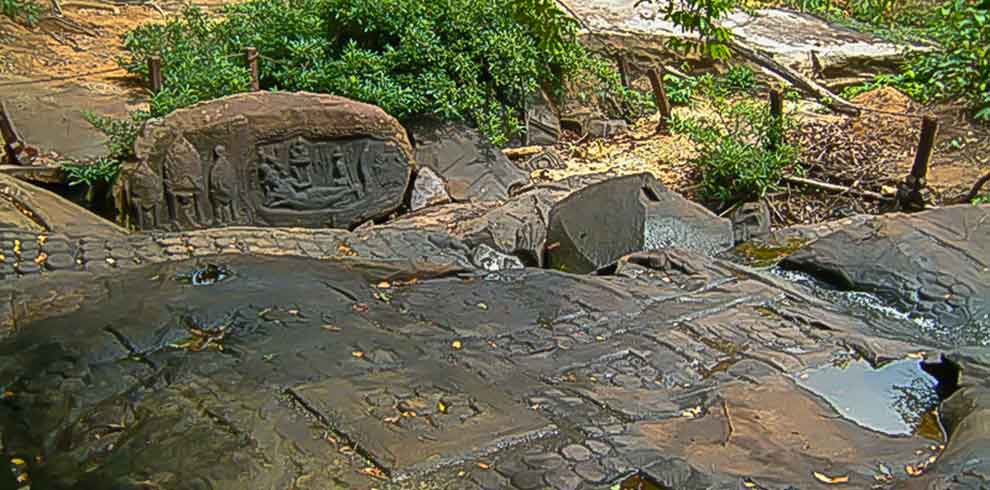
{"x": 933, "y": 265}
{"x": 542, "y": 121}
{"x": 474, "y": 169}
{"x": 597, "y": 225}
{"x": 428, "y": 190}
{"x": 268, "y": 159}
{"x": 26, "y": 207}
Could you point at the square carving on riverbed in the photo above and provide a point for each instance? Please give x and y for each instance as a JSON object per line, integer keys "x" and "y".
{"x": 421, "y": 417}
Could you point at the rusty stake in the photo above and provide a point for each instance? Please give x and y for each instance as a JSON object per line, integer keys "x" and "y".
{"x": 155, "y": 73}
{"x": 251, "y": 54}
{"x": 660, "y": 94}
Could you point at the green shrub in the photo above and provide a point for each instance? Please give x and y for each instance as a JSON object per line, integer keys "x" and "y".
{"x": 20, "y": 10}
{"x": 984, "y": 199}
{"x": 121, "y": 134}
{"x": 740, "y": 152}
{"x": 474, "y": 60}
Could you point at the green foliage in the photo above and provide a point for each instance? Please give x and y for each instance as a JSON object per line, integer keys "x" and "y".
{"x": 121, "y": 134}
{"x": 102, "y": 170}
{"x": 701, "y": 17}
{"x": 738, "y": 79}
{"x": 984, "y": 199}
{"x": 740, "y": 150}
{"x": 474, "y": 60}
{"x": 20, "y": 10}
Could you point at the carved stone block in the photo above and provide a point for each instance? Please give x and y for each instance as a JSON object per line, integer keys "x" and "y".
{"x": 268, "y": 159}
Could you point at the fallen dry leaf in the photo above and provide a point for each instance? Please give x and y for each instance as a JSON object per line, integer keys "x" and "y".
{"x": 384, "y": 285}
{"x": 912, "y": 471}
{"x": 830, "y": 480}
{"x": 441, "y": 406}
{"x": 18, "y": 462}
{"x": 23, "y": 477}
{"x": 41, "y": 258}
{"x": 358, "y": 354}
{"x": 360, "y": 307}
{"x": 374, "y": 473}
{"x": 456, "y": 344}
{"x": 484, "y": 466}
{"x": 330, "y": 328}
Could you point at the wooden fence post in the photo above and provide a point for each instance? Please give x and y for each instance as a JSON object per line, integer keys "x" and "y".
{"x": 660, "y": 94}
{"x": 155, "y": 73}
{"x": 251, "y": 54}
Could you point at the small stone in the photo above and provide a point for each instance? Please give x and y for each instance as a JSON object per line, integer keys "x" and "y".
{"x": 591, "y": 471}
{"x": 59, "y": 261}
{"x": 27, "y": 267}
{"x": 563, "y": 479}
{"x": 528, "y": 480}
{"x": 576, "y": 452}
{"x": 598, "y": 447}
{"x": 489, "y": 480}
{"x": 428, "y": 190}
{"x": 543, "y": 461}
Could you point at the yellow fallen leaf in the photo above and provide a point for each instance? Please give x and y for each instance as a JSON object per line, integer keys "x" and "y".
{"x": 384, "y": 285}
{"x": 441, "y": 406}
{"x": 482, "y": 306}
{"x": 456, "y": 344}
{"x": 484, "y": 466}
{"x": 41, "y": 258}
{"x": 830, "y": 480}
{"x": 358, "y": 354}
{"x": 23, "y": 477}
{"x": 912, "y": 471}
{"x": 330, "y": 328}
{"x": 461, "y": 474}
{"x": 18, "y": 462}
{"x": 749, "y": 484}
{"x": 391, "y": 420}
{"x": 293, "y": 312}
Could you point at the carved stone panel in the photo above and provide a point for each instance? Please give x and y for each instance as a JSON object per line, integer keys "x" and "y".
{"x": 268, "y": 159}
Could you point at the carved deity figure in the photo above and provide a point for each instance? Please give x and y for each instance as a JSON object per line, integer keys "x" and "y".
{"x": 144, "y": 191}
{"x": 184, "y": 182}
{"x": 223, "y": 186}
{"x": 300, "y": 163}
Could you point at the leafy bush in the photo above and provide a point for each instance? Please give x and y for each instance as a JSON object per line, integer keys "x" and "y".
{"x": 474, "y": 60}
{"x": 121, "y": 135}
{"x": 20, "y": 10}
{"x": 740, "y": 151}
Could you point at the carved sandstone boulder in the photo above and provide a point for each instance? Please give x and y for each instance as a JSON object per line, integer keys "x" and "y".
{"x": 268, "y": 159}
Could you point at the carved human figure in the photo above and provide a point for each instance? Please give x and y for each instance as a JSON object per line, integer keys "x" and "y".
{"x": 223, "y": 186}
{"x": 144, "y": 191}
{"x": 300, "y": 162}
{"x": 184, "y": 182}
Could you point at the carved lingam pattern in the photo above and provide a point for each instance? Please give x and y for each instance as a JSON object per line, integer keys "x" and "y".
{"x": 423, "y": 409}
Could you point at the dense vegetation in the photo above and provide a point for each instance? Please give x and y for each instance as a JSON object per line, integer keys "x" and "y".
{"x": 20, "y": 10}
{"x": 474, "y": 60}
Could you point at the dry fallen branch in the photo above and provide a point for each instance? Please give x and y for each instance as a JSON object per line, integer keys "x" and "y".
{"x": 835, "y": 188}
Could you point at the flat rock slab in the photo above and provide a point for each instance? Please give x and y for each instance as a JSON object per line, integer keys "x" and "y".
{"x": 934, "y": 265}
{"x": 268, "y": 159}
{"x": 786, "y": 35}
{"x": 24, "y": 206}
{"x": 474, "y": 169}
{"x": 51, "y": 117}
{"x": 595, "y": 226}
{"x": 422, "y": 418}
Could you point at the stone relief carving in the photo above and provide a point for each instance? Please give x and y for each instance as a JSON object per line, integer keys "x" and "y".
{"x": 183, "y": 172}
{"x": 223, "y": 187}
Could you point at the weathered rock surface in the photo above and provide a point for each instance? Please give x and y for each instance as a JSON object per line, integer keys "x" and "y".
{"x": 684, "y": 371}
{"x": 428, "y": 190}
{"x": 933, "y": 265}
{"x": 473, "y": 168}
{"x": 268, "y": 159}
{"x": 542, "y": 122}
{"x": 27, "y": 207}
{"x": 638, "y": 31}
{"x": 595, "y": 226}
{"x": 750, "y": 221}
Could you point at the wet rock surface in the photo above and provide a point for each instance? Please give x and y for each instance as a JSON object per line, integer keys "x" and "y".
{"x": 473, "y": 168}
{"x": 934, "y": 265}
{"x": 268, "y": 159}
{"x": 594, "y": 226}
{"x": 421, "y": 354}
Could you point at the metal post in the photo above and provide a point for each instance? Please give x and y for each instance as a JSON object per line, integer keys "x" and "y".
{"x": 155, "y": 73}
{"x": 252, "y": 61}
{"x": 660, "y": 94}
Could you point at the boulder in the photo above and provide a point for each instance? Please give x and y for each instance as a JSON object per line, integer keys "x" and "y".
{"x": 428, "y": 190}
{"x": 268, "y": 159}
{"x": 750, "y": 221}
{"x": 934, "y": 264}
{"x": 473, "y": 168}
{"x": 594, "y": 227}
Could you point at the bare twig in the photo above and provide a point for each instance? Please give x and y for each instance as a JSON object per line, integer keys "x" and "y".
{"x": 835, "y": 188}
{"x": 728, "y": 421}
{"x": 975, "y": 191}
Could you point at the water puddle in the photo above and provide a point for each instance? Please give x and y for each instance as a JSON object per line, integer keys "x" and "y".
{"x": 898, "y": 398}
{"x": 205, "y": 276}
